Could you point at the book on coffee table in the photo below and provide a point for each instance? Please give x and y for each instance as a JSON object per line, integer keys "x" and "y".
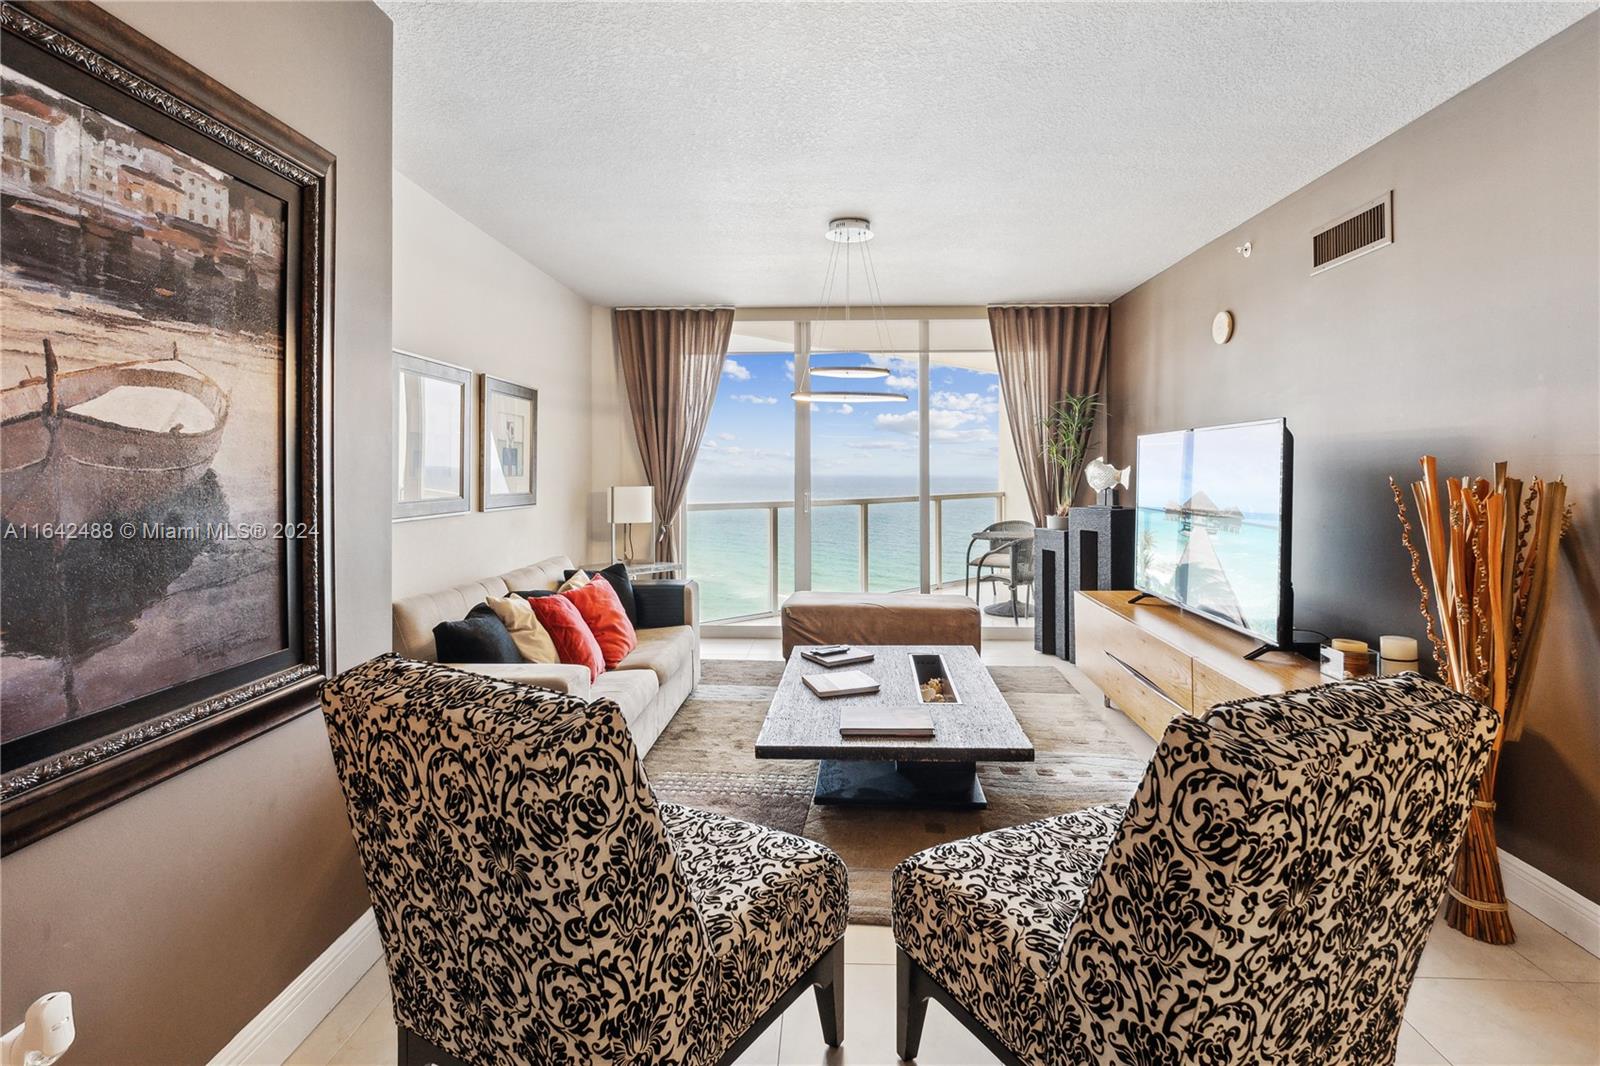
{"x": 846, "y": 656}
{"x": 849, "y": 683}
{"x": 885, "y": 722}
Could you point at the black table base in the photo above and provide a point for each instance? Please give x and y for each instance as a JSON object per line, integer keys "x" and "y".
{"x": 865, "y": 783}
{"x": 1002, "y": 609}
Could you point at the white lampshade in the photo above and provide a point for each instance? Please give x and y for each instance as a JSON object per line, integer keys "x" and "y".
{"x": 632, "y": 503}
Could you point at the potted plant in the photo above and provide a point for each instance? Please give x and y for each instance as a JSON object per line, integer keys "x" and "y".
{"x": 1066, "y": 447}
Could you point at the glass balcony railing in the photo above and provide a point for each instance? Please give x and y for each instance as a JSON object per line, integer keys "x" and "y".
{"x": 742, "y": 553}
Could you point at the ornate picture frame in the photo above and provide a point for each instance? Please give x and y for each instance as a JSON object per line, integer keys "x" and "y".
{"x": 208, "y": 222}
{"x": 508, "y": 444}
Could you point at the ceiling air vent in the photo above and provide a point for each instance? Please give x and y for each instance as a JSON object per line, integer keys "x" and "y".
{"x": 1366, "y": 229}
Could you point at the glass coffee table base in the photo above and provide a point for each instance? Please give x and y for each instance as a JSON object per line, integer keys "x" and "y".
{"x": 865, "y": 783}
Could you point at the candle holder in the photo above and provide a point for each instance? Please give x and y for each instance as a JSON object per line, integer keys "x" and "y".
{"x": 1344, "y": 659}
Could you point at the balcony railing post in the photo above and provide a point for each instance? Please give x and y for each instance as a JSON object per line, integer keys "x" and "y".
{"x": 938, "y": 541}
{"x": 861, "y": 545}
{"x": 772, "y": 559}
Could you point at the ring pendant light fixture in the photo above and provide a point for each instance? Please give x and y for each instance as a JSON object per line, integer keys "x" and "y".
{"x": 845, "y": 232}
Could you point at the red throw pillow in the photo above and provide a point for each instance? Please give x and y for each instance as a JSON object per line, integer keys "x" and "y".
{"x": 569, "y": 633}
{"x": 608, "y": 621}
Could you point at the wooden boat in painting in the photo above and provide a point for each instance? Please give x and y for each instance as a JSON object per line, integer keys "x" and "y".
{"x": 106, "y": 441}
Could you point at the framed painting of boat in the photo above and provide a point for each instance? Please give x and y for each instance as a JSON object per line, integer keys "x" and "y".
{"x": 509, "y": 443}
{"x": 164, "y": 267}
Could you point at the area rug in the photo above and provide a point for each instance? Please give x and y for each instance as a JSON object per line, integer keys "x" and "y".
{"x": 706, "y": 758}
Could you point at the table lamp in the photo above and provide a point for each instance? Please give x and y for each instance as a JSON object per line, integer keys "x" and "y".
{"x": 630, "y": 504}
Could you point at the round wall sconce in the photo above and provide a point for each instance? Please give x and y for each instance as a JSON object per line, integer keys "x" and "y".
{"x": 1222, "y": 327}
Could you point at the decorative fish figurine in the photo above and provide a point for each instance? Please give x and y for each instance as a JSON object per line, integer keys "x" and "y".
{"x": 1101, "y": 475}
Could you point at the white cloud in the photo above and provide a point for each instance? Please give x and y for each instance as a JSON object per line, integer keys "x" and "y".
{"x": 732, "y": 458}
{"x": 975, "y": 403}
{"x": 845, "y": 409}
{"x": 788, "y": 369}
{"x": 748, "y": 397}
{"x": 943, "y": 425}
{"x": 901, "y": 423}
{"x": 736, "y": 371}
{"x": 902, "y": 372}
{"x": 726, "y": 436}
{"x": 893, "y": 362}
{"x": 965, "y": 436}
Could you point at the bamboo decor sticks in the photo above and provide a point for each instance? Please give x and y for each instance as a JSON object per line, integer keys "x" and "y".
{"x": 1491, "y": 553}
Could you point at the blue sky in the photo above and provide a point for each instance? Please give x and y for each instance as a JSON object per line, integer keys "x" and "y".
{"x": 1238, "y": 466}
{"x": 748, "y": 449}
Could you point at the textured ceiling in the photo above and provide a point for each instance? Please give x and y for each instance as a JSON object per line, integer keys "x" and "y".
{"x": 693, "y": 153}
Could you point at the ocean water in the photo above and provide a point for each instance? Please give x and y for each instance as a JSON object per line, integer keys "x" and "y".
{"x": 727, "y": 550}
{"x": 1232, "y": 572}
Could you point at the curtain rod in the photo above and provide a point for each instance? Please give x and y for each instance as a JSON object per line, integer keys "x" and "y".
{"x": 906, "y": 311}
{"x": 861, "y": 312}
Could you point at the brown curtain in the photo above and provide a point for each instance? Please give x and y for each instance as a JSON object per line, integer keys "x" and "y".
{"x": 1044, "y": 353}
{"x": 671, "y": 363}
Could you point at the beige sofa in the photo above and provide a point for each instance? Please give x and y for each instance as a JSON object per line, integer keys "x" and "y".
{"x": 649, "y": 685}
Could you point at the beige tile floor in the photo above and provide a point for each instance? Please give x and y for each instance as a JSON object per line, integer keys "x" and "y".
{"x": 1536, "y": 1003}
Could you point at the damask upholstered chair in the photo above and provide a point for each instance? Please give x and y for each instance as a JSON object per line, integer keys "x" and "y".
{"x": 538, "y": 906}
{"x": 1264, "y": 898}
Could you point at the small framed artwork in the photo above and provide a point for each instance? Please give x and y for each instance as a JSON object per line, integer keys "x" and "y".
{"x": 432, "y": 419}
{"x": 510, "y": 435}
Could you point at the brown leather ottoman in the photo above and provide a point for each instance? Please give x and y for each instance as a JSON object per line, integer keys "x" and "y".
{"x": 893, "y": 618}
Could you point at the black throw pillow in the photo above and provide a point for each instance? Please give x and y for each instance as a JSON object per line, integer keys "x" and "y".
{"x": 616, "y": 576}
{"x": 535, "y": 592}
{"x": 480, "y": 637}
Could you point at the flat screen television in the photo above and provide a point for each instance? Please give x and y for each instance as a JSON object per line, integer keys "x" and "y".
{"x": 1211, "y": 531}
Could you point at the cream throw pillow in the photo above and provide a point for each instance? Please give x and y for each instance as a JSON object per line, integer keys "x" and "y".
{"x": 532, "y": 641}
{"x": 578, "y": 579}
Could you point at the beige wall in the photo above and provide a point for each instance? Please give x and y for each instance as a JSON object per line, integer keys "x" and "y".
{"x": 463, "y": 297}
{"x": 175, "y": 916}
{"x": 1473, "y": 337}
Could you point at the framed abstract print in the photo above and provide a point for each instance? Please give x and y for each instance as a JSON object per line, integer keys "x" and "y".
{"x": 432, "y": 425}
{"x": 509, "y": 417}
{"x": 163, "y": 442}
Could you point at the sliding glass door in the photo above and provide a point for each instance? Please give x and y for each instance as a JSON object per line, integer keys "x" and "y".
{"x": 861, "y": 479}
{"x": 876, "y": 491}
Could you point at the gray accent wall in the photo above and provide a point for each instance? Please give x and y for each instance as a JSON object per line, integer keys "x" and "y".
{"x": 175, "y": 916}
{"x": 1474, "y": 337}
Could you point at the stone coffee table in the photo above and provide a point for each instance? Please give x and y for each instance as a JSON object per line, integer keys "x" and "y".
{"x": 937, "y": 771}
